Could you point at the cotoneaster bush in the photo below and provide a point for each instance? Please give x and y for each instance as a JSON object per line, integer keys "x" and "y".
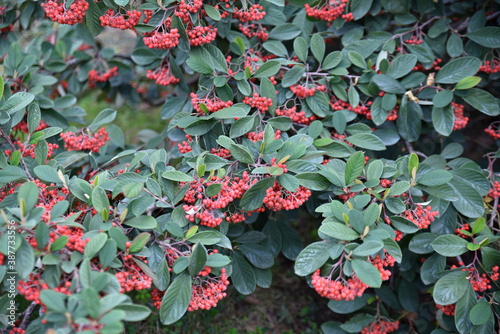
{"x": 356, "y": 112}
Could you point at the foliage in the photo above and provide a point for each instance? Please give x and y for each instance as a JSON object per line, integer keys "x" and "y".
{"x": 270, "y": 109}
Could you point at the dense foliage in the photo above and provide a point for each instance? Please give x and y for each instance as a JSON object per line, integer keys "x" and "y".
{"x": 353, "y": 114}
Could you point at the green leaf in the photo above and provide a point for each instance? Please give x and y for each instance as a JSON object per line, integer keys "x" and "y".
{"x": 421, "y": 243}
{"x": 100, "y": 199}
{"x": 257, "y": 255}
{"x": 54, "y": 301}
{"x": 368, "y": 247}
{"x": 480, "y": 313}
{"x": 451, "y": 287}
{"x": 241, "y": 127}
{"x": 199, "y": 65}
{"x": 338, "y": 231}
{"x": 443, "y": 120}
{"x": 241, "y": 153}
{"x": 388, "y": 84}
{"x": 92, "y": 18}
{"x": 462, "y": 309}
{"x": 398, "y": 188}
{"x": 197, "y": 259}
{"x": 177, "y": 176}
{"x": 47, "y": 173}
{"x": 312, "y": 258}
{"x": 144, "y": 56}
{"x": 313, "y": 181}
{"x": 104, "y": 117}
{"x": 354, "y": 167}
{"x": 404, "y": 225}
{"x": 443, "y": 98}
{"x": 229, "y": 113}
{"x": 94, "y": 245}
{"x": 449, "y": 245}
{"x": 409, "y": 120}
{"x": 285, "y": 32}
{"x": 353, "y": 96}
{"x": 243, "y": 276}
{"x": 478, "y": 225}
{"x": 293, "y": 76}
{"x": 401, "y": 65}
{"x": 218, "y": 260}
{"x": 469, "y": 203}
{"x": 142, "y": 222}
{"x": 300, "y": 48}
{"x": 253, "y": 197}
{"x": 435, "y": 178}
{"x": 367, "y": 273}
{"x": 276, "y": 48}
{"x": 351, "y": 306}
{"x": 90, "y": 301}
{"x": 133, "y": 312}
{"x": 318, "y": 47}
{"x": 457, "y": 69}
{"x": 467, "y": 83}
{"x": 359, "y": 8}
{"x": 367, "y": 141}
{"x": 176, "y": 300}
{"x": 34, "y": 117}
{"x": 454, "y": 46}
{"x": 482, "y": 101}
{"x": 212, "y": 12}
{"x": 268, "y": 69}
{"x": 356, "y": 59}
{"x": 488, "y": 37}
{"x": 332, "y": 59}
{"x": 139, "y": 242}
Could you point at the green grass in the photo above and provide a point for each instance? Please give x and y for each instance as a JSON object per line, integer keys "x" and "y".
{"x": 130, "y": 118}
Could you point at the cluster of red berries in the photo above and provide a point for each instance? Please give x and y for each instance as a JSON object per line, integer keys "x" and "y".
{"x": 460, "y": 119}
{"x": 279, "y": 164}
{"x": 200, "y": 35}
{"x": 297, "y": 117}
{"x": 57, "y": 11}
{"x": 495, "y": 190}
{"x": 183, "y": 10}
{"x": 329, "y": 11}
{"x": 213, "y": 104}
{"x": 414, "y": 40}
{"x": 10, "y": 27}
{"x": 85, "y": 141}
{"x": 479, "y": 282}
{"x": 447, "y": 309}
{"x": 434, "y": 67}
{"x": 114, "y": 20}
{"x": 221, "y": 152}
{"x": 162, "y": 76}
{"x": 385, "y": 183}
{"x": 31, "y": 287}
{"x": 254, "y": 13}
{"x": 29, "y": 150}
{"x": 208, "y": 208}
{"x": 420, "y": 216}
{"x": 132, "y": 277}
{"x": 23, "y": 126}
{"x": 380, "y": 326}
{"x": 458, "y": 231}
{"x": 253, "y": 136}
{"x": 49, "y": 196}
{"x": 303, "y": 92}
{"x": 252, "y": 30}
{"x": 95, "y": 77}
{"x": 259, "y": 102}
{"x": 381, "y": 264}
{"x": 76, "y": 242}
{"x": 207, "y": 290}
{"x": 17, "y": 330}
{"x": 490, "y": 66}
{"x": 162, "y": 40}
{"x": 278, "y": 198}
{"x": 338, "y": 289}
{"x": 493, "y": 131}
{"x": 185, "y": 147}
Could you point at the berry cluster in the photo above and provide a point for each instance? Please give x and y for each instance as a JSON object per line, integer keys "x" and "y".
{"x": 479, "y": 282}
{"x": 10, "y": 27}
{"x": 303, "y": 92}
{"x": 29, "y": 150}
{"x": 57, "y": 11}
{"x": 76, "y": 242}
{"x": 221, "y": 152}
{"x": 338, "y": 290}
{"x": 414, "y": 40}
{"x": 132, "y": 277}
{"x": 253, "y": 136}
{"x": 115, "y": 20}
{"x": 207, "y": 208}
{"x": 95, "y": 77}
{"x": 162, "y": 76}
{"x": 329, "y": 11}
{"x": 420, "y": 216}
{"x": 254, "y": 13}
{"x": 490, "y": 67}
{"x": 183, "y": 10}
{"x": 495, "y": 190}
{"x": 212, "y": 104}
{"x": 252, "y": 30}
{"x": 278, "y": 198}
{"x": 297, "y": 117}
{"x": 162, "y": 40}
{"x": 458, "y": 231}
{"x": 380, "y": 264}
{"x": 185, "y": 147}
{"x": 385, "y": 183}
{"x": 447, "y": 309}
{"x": 200, "y": 35}
{"x": 259, "y": 102}
{"x": 460, "y": 119}
{"x": 380, "y": 326}
{"x": 23, "y": 126}
{"x": 493, "y": 131}
{"x": 207, "y": 290}
{"x": 85, "y": 141}
{"x": 434, "y": 67}
{"x": 31, "y": 287}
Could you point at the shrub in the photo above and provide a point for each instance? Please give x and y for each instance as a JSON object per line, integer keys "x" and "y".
{"x": 354, "y": 114}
